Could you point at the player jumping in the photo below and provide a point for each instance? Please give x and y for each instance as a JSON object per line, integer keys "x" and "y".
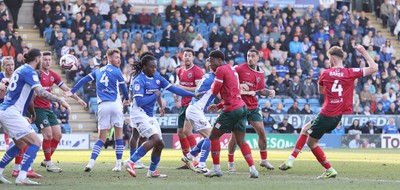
{"x": 337, "y": 84}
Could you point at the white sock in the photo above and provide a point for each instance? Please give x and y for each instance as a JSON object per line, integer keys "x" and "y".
{"x": 291, "y": 157}
{"x": 1, "y": 171}
{"x": 217, "y": 167}
{"x": 49, "y": 163}
{"x": 329, "y": 169}
{"x": 91, "y": 163}
{"x": 22, "y": 174}
{"x": 252, "y": 168}
{"x": 197, "y": 159}
{"x": 202, "y": 164}
{"x": 17, "y": 167}
{"x": 118, "y": 163}
{"x": 190, "y": 156}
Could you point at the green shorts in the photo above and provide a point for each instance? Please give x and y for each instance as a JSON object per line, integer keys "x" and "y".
{"x": 254, "y": 115}
{"x": 45, "y": 118}
{"x": 322, "y": 124}
{"x": 232, "y": 121}
{"x": 182, "y": 116}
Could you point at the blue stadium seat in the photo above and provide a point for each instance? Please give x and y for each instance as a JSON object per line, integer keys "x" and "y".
{"x": 172, "y": 50}
{"x": 165, "y": 24}
{"x": 93, "y": 100}
{"x": 67, "y": 128}
{"x": 261, "y": 102}
{"x": 313, "y": 101}
{"x": 240, "y": 60}
{"x": 166, "y": 94}
{"x": 301, "y": 100}
{"x": 288, "y": 102}
{"x": 275, "y": 101}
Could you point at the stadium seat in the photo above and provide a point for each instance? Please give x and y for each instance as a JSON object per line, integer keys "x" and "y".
{"x": 301, "y": 101}
{"x": 261, "y": 102}
{"x": 172, "y": 49}
{"x": 313, "y": 101}
{"x": 67, "y": 128}
{"x": 93, "y": 100}
{"x": 240, "y": 60}
{"x": 275, "y": 101}
{"x": 288, "y": 102}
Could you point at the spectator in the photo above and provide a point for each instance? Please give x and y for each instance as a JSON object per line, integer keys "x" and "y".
{"x": 339, "y": 130}
{"x": 19, "y": 61}
{"x": 121, "y": 17}
{"x": 294, "y": 109}
{"x": 370, "y": 128}
{"x": 384, "y": 55}
{"x": 379, "y": 109}
{"x": 126, "y": 6}
{"x": 144, "y": 19}
{"x": 280, "y": 88}
{"x": 45, "y": 20}
{"x": 389, "y": 47}
{"x": 104, "y": 9}
{"x": 385, "y": 103}
{"x": 295, "y": 46}
{"x": 167, "y": 62}
{"x": 197, "y": 43}
{"x": 115, "y": 24}
{"x": 392, "y": 84}
{"x": 355, "y": 128}
{"x": 170, "y": 10}
{"x": 365, "y": 95}
{"x": 391, "y": 95}
{"x": 131, "y": 18}
{"x": 63, "y": 116}
{"x": 268, "y": 108}
{"x": 79, "y": 48}
{"x": 4, "y": 21}
{"x": 355, "y": 143}
{"x": 306, "y": 109}
{"x": 38, "y": 9}
{"x": 209, "y": 13}
{"x": 168, "y": 37}
{"x": 279, "y": 109}
{"x": 285, "y": 126}
{"x": 309, "y": 90}
{"x": 175, "y": 109}
{"x": 390, "y": 128}
{"x": 156, "y": 20}
{"x": 268, "y": 121}
{"x": 367, "y": 110}
{"x": 296, "y": 88}
{"x": 385, "y": 9}
{"x": 392, "y": 110}
{"x": 8, "y": 49}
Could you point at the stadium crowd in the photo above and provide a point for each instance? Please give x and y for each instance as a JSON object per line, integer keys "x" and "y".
{"x": 292, "y": 45}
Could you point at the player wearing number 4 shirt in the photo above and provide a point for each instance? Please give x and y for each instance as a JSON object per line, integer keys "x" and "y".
{"x": 233, "y": 116}
{"x": 108, "y": 81}
{"x": 251, "y": 78}
{"x": 337, "y": 84}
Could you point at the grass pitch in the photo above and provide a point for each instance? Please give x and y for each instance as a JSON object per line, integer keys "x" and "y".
{"x": 357, "y": 169}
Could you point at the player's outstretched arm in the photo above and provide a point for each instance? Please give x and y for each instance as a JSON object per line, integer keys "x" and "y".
{"x": 179, "y": 91}
{"x": 65, "y": 88}
{"x": 268, "y": 93}
{"x": 372, "y": 66}
{"x": 42, "y": 93}
{"x": 80, "y": 83}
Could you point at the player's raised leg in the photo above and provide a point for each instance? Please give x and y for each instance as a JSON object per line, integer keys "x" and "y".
{"x": 301, "y": 141}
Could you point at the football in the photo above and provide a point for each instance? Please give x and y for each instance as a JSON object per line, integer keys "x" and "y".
{"x": 69, "y": 62}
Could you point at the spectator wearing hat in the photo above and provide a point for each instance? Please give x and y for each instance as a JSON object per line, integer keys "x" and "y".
{"x": 285, "y": 126}
{"x": 370, "y": 128}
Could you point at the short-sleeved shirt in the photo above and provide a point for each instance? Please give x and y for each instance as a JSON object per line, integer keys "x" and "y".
{"x": 254, "y": 80}
{"x": 108, "y": 79}
{"x": 145, "y": 86}
{"x": 47, "y": 80}
{"x": 20, "y": 89}
{"x": 188, "y": 78}
{"x": 230, "y": 93}
{"x": 338, "y": 85}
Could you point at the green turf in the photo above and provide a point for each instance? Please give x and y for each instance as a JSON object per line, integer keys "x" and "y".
{"x": 358, "y": 169}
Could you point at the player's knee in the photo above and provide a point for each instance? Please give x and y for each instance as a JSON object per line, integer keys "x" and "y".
{"x": 160, "y": 144}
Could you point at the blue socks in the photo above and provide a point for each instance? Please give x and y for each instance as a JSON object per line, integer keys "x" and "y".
{"x": 196, "y": 150}
{"x": 132, "y": 151}
{"x": 205, "y": 150}
{"x": 140, "y": 152}
{"x": 96, "y": 149}
{"x": 154, "y": 163}
{"x": 119, "y": 148}
{"x": 29, "y": 157}
{"x": 10, "y": 154}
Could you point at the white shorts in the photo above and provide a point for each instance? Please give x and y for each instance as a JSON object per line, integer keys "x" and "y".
{"x": 146, "y": 126}
{"x": 110, "y": 114}
{"x": 15, "y": 125}
{"x": 197, "y": 118}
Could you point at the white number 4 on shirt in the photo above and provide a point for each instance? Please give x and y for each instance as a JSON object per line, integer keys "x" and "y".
{"x": 336, "y": 87}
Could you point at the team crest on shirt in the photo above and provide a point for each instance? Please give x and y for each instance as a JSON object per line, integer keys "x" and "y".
{"x": 137, "y": 87}
{"x": 52, "y": 79}
{"x": 158, "y": 82}
{"x": 190, "y": 75}
{"x": 258, "y": 79}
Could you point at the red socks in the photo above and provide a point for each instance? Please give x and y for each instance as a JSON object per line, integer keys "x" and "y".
{"x": 246, "y": 151}
{"x": 263, "y": 154}
{"x": 54, "y": 144}
{"x": 320, "y": 155}
{"x": 215, "y": 151}
{"x": 192, "y": 141}
{"x": 20, "y": 156}
{"x": 299, "y": 145}
{"x": 185, "y": 145}
{"x": 47, "y": 149}
{"x": 231, "y": 158}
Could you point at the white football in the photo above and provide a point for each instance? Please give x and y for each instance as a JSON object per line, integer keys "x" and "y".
{"x": 69, "y": 62}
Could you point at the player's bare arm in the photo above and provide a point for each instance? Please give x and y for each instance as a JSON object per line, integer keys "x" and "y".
{"x": 31, "y": 110}
{"x": 372, "y": 66}
{"x": 65, "y": 88}
{"x": 42, "y": 93}
{"x": 160, "y": 106}
{"x": 321, "y": 89}
{"x": 268, "y": 93}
